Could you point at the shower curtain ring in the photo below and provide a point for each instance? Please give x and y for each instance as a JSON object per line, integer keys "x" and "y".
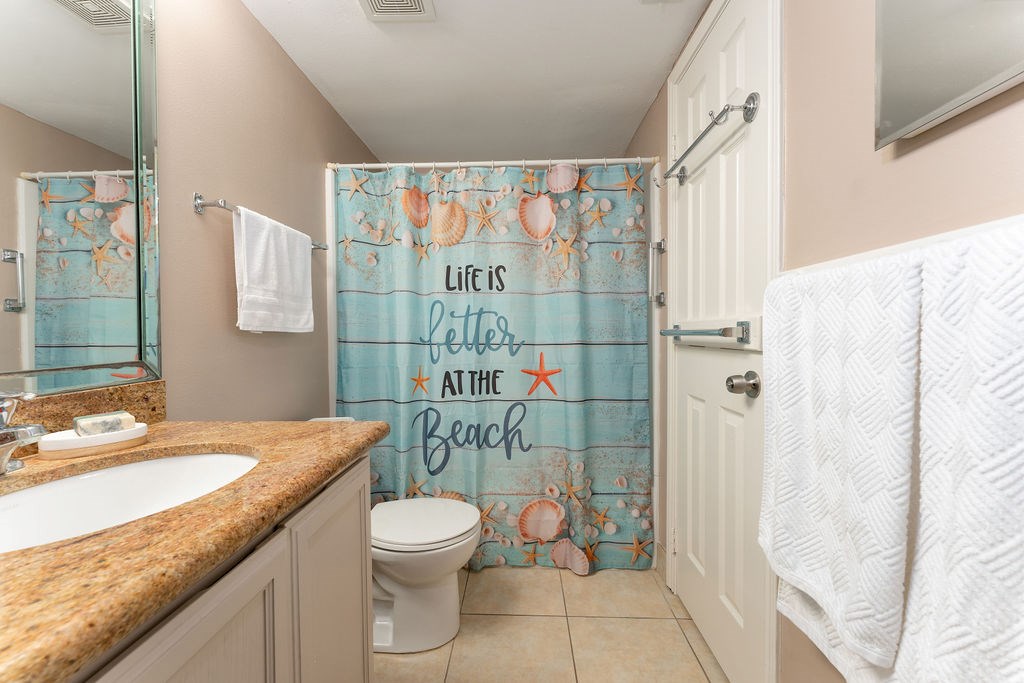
{"x": 577, "y": 164}
{"x": 387, "y": 165}
{"x": 606, "y": 163}
{"x": 524, "y": 164}
{"x": 639, "y": 162}
{"x": 39, "y": 177}
{"x": 458, "y": 165}
{"x": 433, "y": 167}
{"x": 364, "y": 167}
{"x": 94, "y": 172}
{"x": 67, "y": 175}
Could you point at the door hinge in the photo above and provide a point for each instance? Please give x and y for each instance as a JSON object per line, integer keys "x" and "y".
{"x": 675, "y": 542}
{"x": 657, "y": 249}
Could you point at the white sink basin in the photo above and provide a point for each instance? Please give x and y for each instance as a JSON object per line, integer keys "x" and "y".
{"x": 97, "y": 500}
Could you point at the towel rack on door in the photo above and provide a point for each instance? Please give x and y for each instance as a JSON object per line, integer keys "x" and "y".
{"x": 741, "y": 332}
{"x": 749, "y": 109}
{"x": 199, "y": 206}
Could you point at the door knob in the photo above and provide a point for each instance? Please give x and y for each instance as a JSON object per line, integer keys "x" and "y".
{"x": 749, "y": 384}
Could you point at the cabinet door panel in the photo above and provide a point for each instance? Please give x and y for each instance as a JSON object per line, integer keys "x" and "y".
{"x": 240, "y": 629}
{"x": 330, "y": 546}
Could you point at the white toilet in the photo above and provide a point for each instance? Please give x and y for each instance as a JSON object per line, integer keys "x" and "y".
{"x": 418, "y": 546}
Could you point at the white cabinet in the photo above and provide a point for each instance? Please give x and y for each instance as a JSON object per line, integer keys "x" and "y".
{"x": 296, "y": 609}
{"x": 331, "y": 571}
{"x": 238, "y": 630}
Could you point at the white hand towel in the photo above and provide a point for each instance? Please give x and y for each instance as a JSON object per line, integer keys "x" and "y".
{"x": 840, "y": 364}
{"x": 273, "y": 274}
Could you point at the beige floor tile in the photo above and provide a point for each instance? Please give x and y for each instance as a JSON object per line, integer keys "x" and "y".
{"x": 417, "y": 667}
{"x": 630, "y": 650}
{"x": 704, "y": 655}
{"x": 614, "y": 593}
{"x": 674, "y": 603}
{"x": 511, "y": 648}
{"x": 514, "y": 590}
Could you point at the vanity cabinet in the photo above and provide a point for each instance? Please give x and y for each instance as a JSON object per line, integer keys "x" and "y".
{"x": 298, "y": 608}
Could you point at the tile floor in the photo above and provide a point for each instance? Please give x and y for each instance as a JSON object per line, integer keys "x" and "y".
{"x": 546, "y": 624}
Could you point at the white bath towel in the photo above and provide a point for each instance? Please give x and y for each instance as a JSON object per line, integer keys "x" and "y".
{"x": 273, "y": 274}
{"x": 840, "y": 362}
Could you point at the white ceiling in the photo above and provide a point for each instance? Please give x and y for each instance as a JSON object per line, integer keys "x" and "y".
{"x": 489, "y": 79}
{"x": 59, "y": 70}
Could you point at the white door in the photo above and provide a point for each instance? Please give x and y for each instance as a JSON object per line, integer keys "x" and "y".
{"x": 722, "y": 239}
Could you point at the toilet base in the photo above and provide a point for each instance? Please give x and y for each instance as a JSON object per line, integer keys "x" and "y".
{"x": 426, "y": 617}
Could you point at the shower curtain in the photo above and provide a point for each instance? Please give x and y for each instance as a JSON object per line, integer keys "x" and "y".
{"x": 497, "y": 319}
{"x": 86, "y": 306}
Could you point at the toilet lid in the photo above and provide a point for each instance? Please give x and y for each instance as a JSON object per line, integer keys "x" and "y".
{"x": 421, "y": 523}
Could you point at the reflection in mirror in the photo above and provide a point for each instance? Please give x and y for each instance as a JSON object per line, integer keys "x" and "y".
{"x": 77, "y": 221}
{"x": 936, "y": 58}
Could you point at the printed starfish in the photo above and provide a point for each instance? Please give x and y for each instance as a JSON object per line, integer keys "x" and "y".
{"x": 582, "y": 186}
{"x": 485, "y": 515}
{"x": 347, "y": 243}
{"x": 105, "y": 279}
{"x": 637, "y": 549}
{"x": 601, "y": 518}
{"x": 100, "y": 256}
{"x": 437, "y": 182}
{"x": 531, "y": 555}
{"x": 571, "y": 490}
{"x": 529, "y": 179}
{"x": 565, "y": 249}
{"x": 90, "y": 197}
{"x": 355, "y": 185}
{"x": 421, "y": 382}
{"x": 630, "y": 183}
{"x": 78, "y": 226}
{"x": 414, "y": 488}
{"x": 46, "y": 197}
{"x": 591, "y": 550}
{"x": 483, "y": 217}
{"x": 542, "y": 376}
{"x": 596, "y": 216}
{"x": 421, "y": 252}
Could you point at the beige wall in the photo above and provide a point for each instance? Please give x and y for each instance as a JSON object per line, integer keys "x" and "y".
{"x": 651, "y": 139}
{"x": 237, "y": 120}
{"x": 30, "y": 145}
{"x": 841, "y": 196}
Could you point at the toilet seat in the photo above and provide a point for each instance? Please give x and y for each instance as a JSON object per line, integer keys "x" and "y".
{"x": 419, "y": 524}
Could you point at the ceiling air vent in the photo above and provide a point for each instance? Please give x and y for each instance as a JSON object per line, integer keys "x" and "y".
{"x": 100, "y": 14}
{"x": 398, "y": 10}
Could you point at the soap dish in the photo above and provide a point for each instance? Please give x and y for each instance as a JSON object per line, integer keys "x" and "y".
{"x": 68, "y": 444}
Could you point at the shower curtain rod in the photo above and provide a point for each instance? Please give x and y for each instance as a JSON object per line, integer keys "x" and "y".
{"x": 38, "y": 175}
{"x": 643, "y": 161}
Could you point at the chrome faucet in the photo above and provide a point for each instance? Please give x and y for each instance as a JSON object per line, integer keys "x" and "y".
{"x": 13, "y": 437}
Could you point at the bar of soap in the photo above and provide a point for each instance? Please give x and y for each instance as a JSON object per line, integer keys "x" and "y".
{"x": 104, "y": 423}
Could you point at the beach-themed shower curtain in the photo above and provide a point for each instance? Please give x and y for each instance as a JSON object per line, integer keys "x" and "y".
{"x": 86, "y": 304}
{"x": 497, "y": 319}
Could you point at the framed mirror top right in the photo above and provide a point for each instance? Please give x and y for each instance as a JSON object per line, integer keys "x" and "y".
{"x": 937, "y": 58}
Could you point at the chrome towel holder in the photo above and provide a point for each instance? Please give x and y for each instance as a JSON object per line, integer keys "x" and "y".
{"x": 749, "y": 109}
{"x": 199, "y": 205}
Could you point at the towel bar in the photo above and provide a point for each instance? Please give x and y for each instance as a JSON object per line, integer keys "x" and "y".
{"x": 199, "y": 206}
{"x": 741, "y": 332}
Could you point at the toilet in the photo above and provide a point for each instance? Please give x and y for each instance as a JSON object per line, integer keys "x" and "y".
{"x": 417, "y": 546}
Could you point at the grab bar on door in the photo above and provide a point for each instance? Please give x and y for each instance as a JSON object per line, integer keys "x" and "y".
{"x": 749, "y": 109}
{"x": 741, "y": 332}
{"x": 18, "y": 259}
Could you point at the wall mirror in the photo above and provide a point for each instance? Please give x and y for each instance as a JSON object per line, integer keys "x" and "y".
{"x": 78, "y": 194}
{"x": 936, "y": 58}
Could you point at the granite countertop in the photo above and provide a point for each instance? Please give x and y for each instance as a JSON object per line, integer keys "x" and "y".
{"x": 64, "y": 604}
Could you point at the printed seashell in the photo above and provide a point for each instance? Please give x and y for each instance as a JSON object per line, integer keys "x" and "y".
{"x": 125, "y": 253}
{"x": 630, "y": 222}
{"x": 365, "y": 228}
{"x": 452, "y": 495}
{"x": 110, "y": 189}
{"x": 565, "y": 203}
{"x": 610, "y": 527}
{"x": 518, "y": 542}
{"x": 489, "y": 202}
{"x": 505, "y": 542}
{"x": 590, "y": 531}
{"x": 382, "y": 225}
{"x": 572, "y": 532}
{"x": 505, "y": 189}
{"x": 548, "y": 244}
{"x": 566, "y": 555}
{"x": 407, "y": 240}
{"x": 512, "y": 520}
{"x": 122, "y": 223}
{"x": 464, "y": 196}
{"x": 552, "y": 491}
{"x": 434, "y": 247}
{"x": 540, "y": 520}
{"x": 605, "y": 204}
{"x": 537, "y": 216}
{"x": 358, "y": 216}
{"x": 635, "y": 512}
{"x": 487, "y": 532}
{"x": 448, "y": 223}
{"x": 617, "y": 255}
{"x": 620, "y": 481}
{"x": 371, "y": 258}
{"x": 511, "y": 215}
{"x": 562, "y": 178}
{"x": 147, "y": 219}
{"x": 578, "y": 466}
{"x": 63, "y": 241}
{"x": 62, "y": 262}
{"x": 498, "y": 535}
{"x": 374, "y": 477}
{"x": 47, "y": 232}
{"x": 499, "y": 561}
{"x": 639, "y": 209}
{"x": 645, "y": 524}
{"x": 88, "y": 213}
{"x": 621, "y": 504}
{"x": 70, "y": 215}
{"x": 416, "y": 206}
{"x": 518, "y": 192}
{"x": 502, "y": 505}
{"x": 498, "y": 196}
{"x": 500, "y": 170}
{"x": 502, "y": 229}
{"x": 588, "y": 202}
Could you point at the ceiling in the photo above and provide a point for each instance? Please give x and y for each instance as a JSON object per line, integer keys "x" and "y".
{"x": 488, "y": 79}
{"x": 61, "y": 71}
